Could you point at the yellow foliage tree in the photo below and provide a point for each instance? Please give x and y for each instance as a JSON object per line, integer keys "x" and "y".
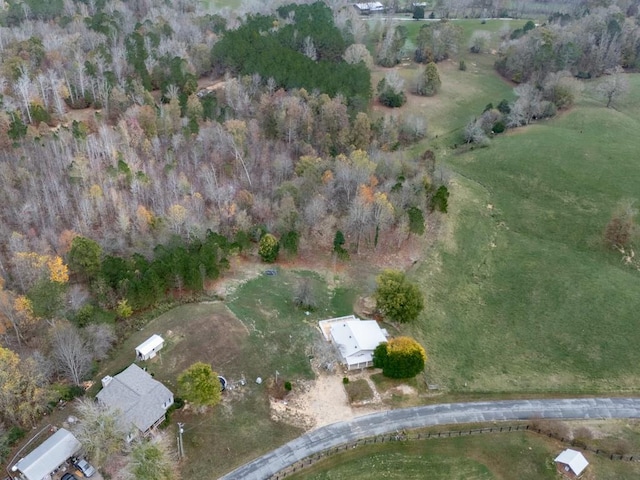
{"x": 58, "y": 271}
{"x": 22, "y": 399}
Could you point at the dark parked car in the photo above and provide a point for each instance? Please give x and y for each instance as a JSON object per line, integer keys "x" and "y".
{"x": 68, "y": 476}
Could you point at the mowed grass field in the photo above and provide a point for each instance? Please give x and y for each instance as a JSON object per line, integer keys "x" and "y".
{"x": 522, "y": 294}
{"x": 504, "y": 456}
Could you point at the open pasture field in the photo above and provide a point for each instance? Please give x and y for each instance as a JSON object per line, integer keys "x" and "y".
{"x": 522, "y": 294}
{"x": 464, "y": 94}
{"x": 504, "y": 456}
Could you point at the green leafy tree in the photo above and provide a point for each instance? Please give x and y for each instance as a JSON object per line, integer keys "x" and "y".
{"x": 290, "y": 242}
{"x": 268, "y": 248}
{"x": 153, "y": 459}
{"x": 428, "y": 82}
{"x": 416, "y": 221}
{"x": 199, "y": 384}
{"x": 338, "y": 242}
{"x": 47, "y": 298}
{"x": 84, "y": 257}
{"x": 17, "y": 128}
{"x": 400, "y": 357}
{"x": 440, "y": 200}
{"x": 397, "y": 298}
{"x": 418, "y": 12}
{"x": 390, "y": 93}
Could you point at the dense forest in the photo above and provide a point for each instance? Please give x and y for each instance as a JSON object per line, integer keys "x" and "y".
{"x": 144, "y": 142}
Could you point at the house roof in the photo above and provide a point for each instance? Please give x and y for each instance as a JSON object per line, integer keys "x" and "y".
{"x": 148, "y": 345}
{"x": 370, "y": 6}
{"x": 48, "y": 456}
{"x": 574, "y": 460}
{"x": 137, "y": 395}
{"x": 356, "y": 339}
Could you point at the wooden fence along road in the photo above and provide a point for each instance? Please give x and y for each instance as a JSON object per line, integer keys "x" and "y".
{"x": 383, "y": 424}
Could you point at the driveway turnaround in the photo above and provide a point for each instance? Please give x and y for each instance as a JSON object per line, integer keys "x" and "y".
{"x": 380, "y": 423}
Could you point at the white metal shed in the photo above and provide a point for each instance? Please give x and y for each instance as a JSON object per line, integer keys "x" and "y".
{"x": 149, "y": 347}
{"x": 48, "y": 456}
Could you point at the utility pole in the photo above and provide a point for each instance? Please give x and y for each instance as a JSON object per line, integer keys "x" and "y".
{"x": 180, "y": 444}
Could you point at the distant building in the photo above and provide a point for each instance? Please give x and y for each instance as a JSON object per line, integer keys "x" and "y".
{"x": 48, "y": 457}
{"x": 141, "y": 400}
{"x": 149, "y": 347}
{"x": 355, "y": 339}
{"x": 571, "y": 463}
{"x": 369, "y": 7}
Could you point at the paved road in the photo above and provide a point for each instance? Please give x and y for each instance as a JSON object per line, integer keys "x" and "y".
{"x": 390, "y": 421}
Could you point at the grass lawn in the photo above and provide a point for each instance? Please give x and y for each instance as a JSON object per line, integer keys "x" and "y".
{"x": 521, "y": 455}
{"x": 521, "y": 294}
{"x": 476, "y": 457}
{"x": 257, "y": 331}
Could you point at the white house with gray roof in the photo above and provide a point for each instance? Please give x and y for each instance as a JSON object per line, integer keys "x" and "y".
{"x": 141, "y": 400}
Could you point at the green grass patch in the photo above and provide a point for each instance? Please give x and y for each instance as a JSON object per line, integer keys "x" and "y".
{"x": 358, "y": 391}
{"x": 522, "y": 455}
{"x": 506, "y": 456}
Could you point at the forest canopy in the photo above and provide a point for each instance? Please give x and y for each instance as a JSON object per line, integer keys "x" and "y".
{"x": 299, "y": 48}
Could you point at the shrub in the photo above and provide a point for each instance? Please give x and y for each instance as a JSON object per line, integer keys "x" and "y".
{"x": 400, "y": 357}
{"x": 397, "y": 298}
{"x": 269, "y": 248}
{"x": 462, "y": 66}
{"x": 440, "y": 200}
{"x": 429, "y": 81}
{"x": 345, "y": 380}
{"x": 14, "y": 435}
{"x": 498, "y": 127}
{"x": 287, "y": 386}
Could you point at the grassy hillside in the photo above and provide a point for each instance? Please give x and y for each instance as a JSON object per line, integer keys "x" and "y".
{"x": 522, "y": 295}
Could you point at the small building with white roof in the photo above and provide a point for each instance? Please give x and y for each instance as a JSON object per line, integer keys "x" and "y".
{"x": 355, "y": 339}
{"x": 148, "y": 349}
{"x": 571, "y": 463}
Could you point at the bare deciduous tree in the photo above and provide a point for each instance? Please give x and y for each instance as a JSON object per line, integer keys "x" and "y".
{"x": 70, "y": 353}
{"x": 613, "y": 87}
{"x": 100, "y": 430}
{"x": 100, "y": 338}
{"x": 303, "y": 294}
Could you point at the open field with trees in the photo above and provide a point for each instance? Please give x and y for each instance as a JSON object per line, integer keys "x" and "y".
{"x": 144, "y": 146}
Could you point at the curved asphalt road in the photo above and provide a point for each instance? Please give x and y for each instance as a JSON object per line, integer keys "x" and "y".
{"x": 390, "y": 421}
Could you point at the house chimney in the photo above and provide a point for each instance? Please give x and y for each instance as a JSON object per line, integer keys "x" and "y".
{"x": 106, "y": 380}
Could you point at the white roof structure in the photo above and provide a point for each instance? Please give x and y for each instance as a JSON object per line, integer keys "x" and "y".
{"x": 48, "y": 456}
{"x": 574, "y": 460}
{"x": 141, "y": 400}
{"x": 355, "y": 339}
{"x": 370, "y": 6}
{"x": 146, "y": 347}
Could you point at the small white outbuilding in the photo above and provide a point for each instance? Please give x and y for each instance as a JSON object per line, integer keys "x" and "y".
{"x": 149, "y": 347}
{"x": 571, "y": 463}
